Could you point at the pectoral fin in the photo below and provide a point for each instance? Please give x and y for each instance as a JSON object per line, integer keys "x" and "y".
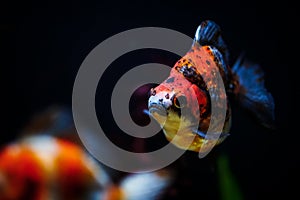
{"x": 220, "y": 137}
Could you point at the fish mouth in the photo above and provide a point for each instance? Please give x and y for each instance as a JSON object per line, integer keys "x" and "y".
{"x": 158, "y": 112}
{"x": 159, "y": 109}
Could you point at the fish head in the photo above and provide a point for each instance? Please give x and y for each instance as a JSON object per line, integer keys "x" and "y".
{"x": 177, "y": 107}
{"x": 160, "y": 103}
{"x": 177, "y": 94}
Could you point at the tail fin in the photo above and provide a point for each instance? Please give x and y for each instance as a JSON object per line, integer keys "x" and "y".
{"x": 146, "y": 186}
{"x": 251, "y": 92}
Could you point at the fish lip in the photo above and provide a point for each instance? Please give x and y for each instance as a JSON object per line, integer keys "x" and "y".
{"x": 160, "y": 109}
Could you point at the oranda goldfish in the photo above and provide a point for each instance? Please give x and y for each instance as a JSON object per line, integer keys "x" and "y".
{"x": 243, "y": 81}
{"x": 47, "y": 162}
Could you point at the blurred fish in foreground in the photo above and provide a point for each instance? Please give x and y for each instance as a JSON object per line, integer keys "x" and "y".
{"x": 48, "y": 162}
{"x": 44, "y": 167}
{"x": 144, "y": 186}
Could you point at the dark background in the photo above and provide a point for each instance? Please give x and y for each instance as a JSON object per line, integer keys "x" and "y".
{"x": 44, "y": 44}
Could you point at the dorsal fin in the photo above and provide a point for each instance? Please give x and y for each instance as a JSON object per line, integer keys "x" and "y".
{"x": 209, "y": 33}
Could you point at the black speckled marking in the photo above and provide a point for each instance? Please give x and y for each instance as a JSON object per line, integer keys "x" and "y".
{"x": 170, "y": 80}
{"x": 192, "y": 75}
{"x": 207, "y": 62}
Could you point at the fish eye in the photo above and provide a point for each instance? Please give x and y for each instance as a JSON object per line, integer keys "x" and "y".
{"x": 152, "y": 92}
{"x": 180, "y": 101}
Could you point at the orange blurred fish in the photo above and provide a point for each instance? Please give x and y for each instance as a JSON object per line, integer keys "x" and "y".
{"x": 47, "y": 162}
{"x": 43, "y": 167}
{"x": 207, "y": 57}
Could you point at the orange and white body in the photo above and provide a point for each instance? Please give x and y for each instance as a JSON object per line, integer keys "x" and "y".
{"x": 44, "y": 167}
{"x": 48, "y": 162}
